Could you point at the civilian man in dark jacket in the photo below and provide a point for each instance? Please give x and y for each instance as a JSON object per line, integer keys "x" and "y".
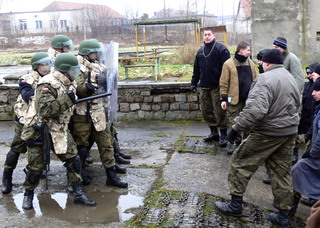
{"x": 306, "y": 173}
{"x": 207, "y": 70}
{"x": 272, "y": 112}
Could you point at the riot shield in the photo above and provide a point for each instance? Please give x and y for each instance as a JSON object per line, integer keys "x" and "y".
{"x": 111, "y": 62}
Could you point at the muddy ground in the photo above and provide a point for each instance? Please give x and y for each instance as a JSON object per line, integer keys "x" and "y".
{"x": 174, "y": 179}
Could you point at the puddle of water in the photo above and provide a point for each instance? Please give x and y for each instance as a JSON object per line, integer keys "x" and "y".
{"x": 111, "y": 207}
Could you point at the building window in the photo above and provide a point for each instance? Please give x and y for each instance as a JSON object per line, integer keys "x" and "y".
{"x": 38, "y": 24}
{"x": 23, "y": 24}
{"x": 63, "y": 23}
{"x": 318, "y": 36}
{"x": 53, "y": 24}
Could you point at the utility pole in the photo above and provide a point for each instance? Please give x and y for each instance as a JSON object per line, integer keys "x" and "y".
{"x": 222, "y": 12}
{"x": 164, "y": 8}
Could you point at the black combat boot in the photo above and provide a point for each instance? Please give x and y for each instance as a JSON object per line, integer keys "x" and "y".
{"x": 6, "y": 181}
{"x": 308, "y": 201}
{"x": 280, "y": 219}
{"x": 120, "y": 160}
{"x": 120, "y": 169}
{"x": 113, "y": 179}
{"x": 223, "y": 138}
{"x": 233, "y": 147}
{"x": 214, "y": 135}
{"x": 295, "y": 203}
{"x": 83, "y": 153}
{"x": 27, "y": 200}
{"x": 234, "y": 207}
{"x": 117, "y": 150}
{"x": 295, "y": 156}
{"x": 266, "y": 180}
{"x": 89, "y": 160}
{"x": 80, "y": 197}
{"x": 11, "y": 161}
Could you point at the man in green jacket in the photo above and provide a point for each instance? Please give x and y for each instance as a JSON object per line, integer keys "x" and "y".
{"x": 236, "y": 78}
{"x": 272, "y": 111}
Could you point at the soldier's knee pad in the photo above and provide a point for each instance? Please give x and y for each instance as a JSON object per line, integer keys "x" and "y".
{"x": 82, "y": 151}
{"x": 12, "y": 158}
{"x": 33, "y": 176}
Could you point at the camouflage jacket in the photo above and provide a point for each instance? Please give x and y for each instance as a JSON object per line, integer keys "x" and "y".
{"x": 53, "y": 53}
{"x": 90, "y": 71}
{"x": 54, "y": 106}
{"x": 24, "y": 107}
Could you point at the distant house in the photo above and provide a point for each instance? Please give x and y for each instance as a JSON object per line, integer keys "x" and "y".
{"x": 60, "y": 17}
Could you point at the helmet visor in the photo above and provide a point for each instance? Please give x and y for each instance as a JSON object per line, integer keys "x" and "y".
{"x": 43, "y": 64}
{"x": 68, "y": 44}
{"x": 73, "y": 73}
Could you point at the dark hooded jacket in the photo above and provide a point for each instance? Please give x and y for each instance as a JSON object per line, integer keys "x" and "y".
{"x": 308, "y": 104}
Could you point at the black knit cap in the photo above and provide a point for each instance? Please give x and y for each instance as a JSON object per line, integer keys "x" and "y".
{"x": 316, "y": 85}
{"x": 273, "y": 56}
{"x": 261, "y": 53}
{"x": 311, "y": 67}
{"x": 317, "y": 69}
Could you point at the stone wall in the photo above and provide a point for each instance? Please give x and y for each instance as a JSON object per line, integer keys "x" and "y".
{"x": 169, "y": 101}
{"x": 8, "y": 96}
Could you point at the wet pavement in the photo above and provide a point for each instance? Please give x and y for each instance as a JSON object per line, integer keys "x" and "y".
{"x": 174, "y": 178}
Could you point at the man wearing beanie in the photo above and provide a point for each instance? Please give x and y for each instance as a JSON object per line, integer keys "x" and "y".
{"x": 236, "y": 78}
{"x": 272, "y": 112}
{"x": 290, "y": 61}
{"x": 206, "y": 71}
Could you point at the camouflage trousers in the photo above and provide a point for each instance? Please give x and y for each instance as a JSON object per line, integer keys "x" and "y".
{"x": 232, "y": 112}
{"x": 256, "y": 150}
{"x": 211, "y": 109}
{"x": 17, "y": 144}
{"x": 82, "y": 132}
{"x": 36, "y": 162}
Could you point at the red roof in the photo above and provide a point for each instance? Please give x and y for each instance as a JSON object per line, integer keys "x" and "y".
{"x": 101, "y": 9}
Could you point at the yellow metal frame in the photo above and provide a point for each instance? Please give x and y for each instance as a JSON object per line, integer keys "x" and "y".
{"x": 196, "y": 22}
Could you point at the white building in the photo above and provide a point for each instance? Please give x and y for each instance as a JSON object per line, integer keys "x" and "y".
{"x": 59, "y": 17}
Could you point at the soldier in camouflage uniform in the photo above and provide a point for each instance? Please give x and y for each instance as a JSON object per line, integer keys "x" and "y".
{"x": 89, "y": 121}
{"x": 41, "y": 64}
{"x": 54, "y": 104}
{"x": 60, "y": 44}
{"x": 272, "y": 111}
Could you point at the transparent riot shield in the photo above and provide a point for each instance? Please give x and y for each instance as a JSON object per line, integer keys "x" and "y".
{"x": 111, "y": 63}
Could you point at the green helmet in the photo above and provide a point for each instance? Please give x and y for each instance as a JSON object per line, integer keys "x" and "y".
{"x": 40, "y": 58}
{"x": 66, "y": 62}
{"x": 61, "y": 41}
{"x": 89, "y": 46}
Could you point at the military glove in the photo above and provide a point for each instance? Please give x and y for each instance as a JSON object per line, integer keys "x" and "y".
{"x": 101, "y": 80}
{"x": 306, "y": 154}
{"x": 232, "y": 135}
{"x": 90, "y": 88}
{"x": 72, "y": 96}
{"x": 193, "y": 88}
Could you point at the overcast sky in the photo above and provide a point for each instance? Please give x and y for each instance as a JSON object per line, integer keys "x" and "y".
{"x": 217, "y": 7}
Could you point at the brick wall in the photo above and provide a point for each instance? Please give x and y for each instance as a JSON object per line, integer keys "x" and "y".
{"x": 168, "y": 101}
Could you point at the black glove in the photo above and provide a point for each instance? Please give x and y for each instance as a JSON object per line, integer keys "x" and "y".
{"x": 306, "y": 154}
{"x": 90, "y": 88}
{"x": 101, "y": 80}
{"x": 71, "y": 95}
{"x": 232, "y": 135}
{"x": 193, "y": 88}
